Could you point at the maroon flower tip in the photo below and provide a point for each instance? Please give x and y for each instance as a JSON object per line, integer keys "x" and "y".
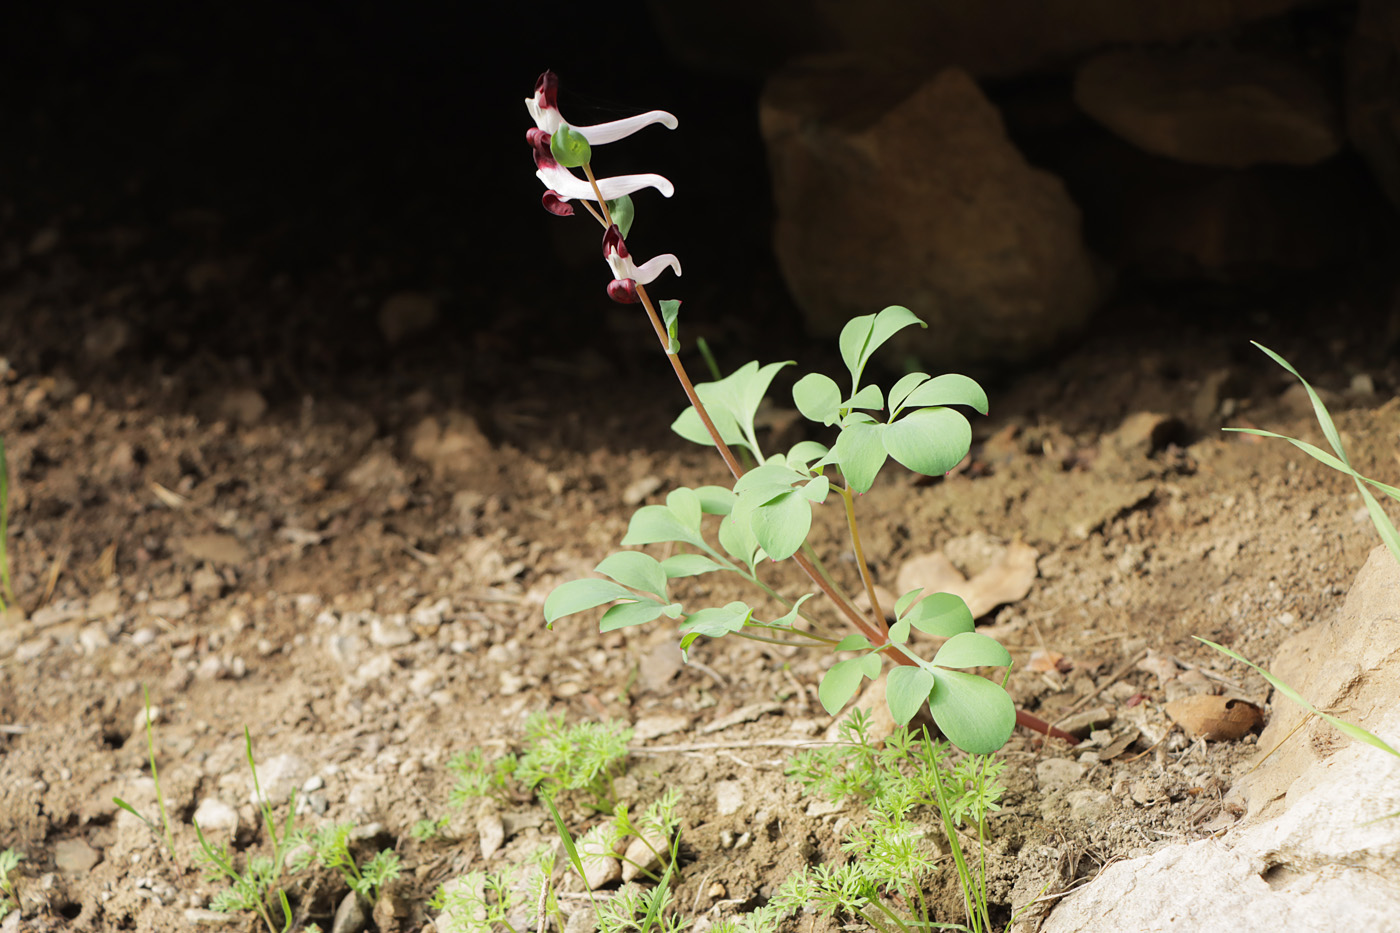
{"x": 612, "y": 242}
{"x": 557, "y": 205}
{"x": 539, "y": 147}
{"x": 623, "y": 291}
{"x": 547, "y": 88}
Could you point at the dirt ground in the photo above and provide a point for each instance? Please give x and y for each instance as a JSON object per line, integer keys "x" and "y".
{"x": 345, "y": 550}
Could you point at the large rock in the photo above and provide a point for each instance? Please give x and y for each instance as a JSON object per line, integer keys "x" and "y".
{"x": 1315, "y": 851}
{"x": 1373, "y": 91}
{"x": 1210, "y": 106}
{"x": 897, "y": 190}
{"x": 989, "y": 38}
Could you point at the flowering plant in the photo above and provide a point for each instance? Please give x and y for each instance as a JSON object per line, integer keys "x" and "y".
{"x": 767, "y": 511}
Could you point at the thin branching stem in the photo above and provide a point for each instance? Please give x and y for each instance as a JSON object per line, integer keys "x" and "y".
{"x": 854, "y": 528}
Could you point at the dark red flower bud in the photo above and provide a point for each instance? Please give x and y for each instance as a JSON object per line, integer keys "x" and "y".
{"x": 623, "y": 291}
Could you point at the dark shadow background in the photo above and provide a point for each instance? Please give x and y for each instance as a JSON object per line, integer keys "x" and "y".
{"x": 310, "y": 159}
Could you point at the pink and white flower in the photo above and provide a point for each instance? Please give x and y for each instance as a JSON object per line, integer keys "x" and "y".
{"x": 563, "y": 185}
{"x": 627, "y": 275}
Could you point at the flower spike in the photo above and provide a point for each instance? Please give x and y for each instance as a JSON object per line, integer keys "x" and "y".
{"x": 544, "y": 108}
{"x": 626, "y": 274}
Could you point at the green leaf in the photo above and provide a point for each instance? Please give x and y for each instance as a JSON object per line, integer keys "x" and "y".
{"x": 853, "y": 643}
{"x": 657, "y": 524}
{"x": 1350, "y": 729}
{"x": 688, "y": 565}
{"x": 670, "y": 315}
{"x": 862, "y": 336}
{"x": 715, "y": 500}
{"x": 804, "y": 453}
{"x": 569, "y": 848}
{"x": 901, "y": 389}
{"x": 817, "y": 397}
{"x": 685, "y": 505}
{"x": 899, "y": 632}
{"x": 766, "y": 481}
{"x": 737, "y": 539}
{"x": 791, "y": 615}
{"x": 941, "y": 614}
{"x": 868, "y": 397}
{"x": 714, "y": 623}
{"x": 1324, "y": 420}
{"x": 569, "y": 147}
{"x": 906, "y": 689}
{"x": 972, "y": 649}
{"x": 732, "y": 403}
{"x": 906, "y": 601}
{"x": 973, "y": 713}
{"x": 780, "y": 526}
{"x": 839, "y": 684}
{"x": 579, "y": 595}
{"x": 621, "y": 211}
{"x": 625, "y": 615}
{"x": 689, "y": 426}
{"x": 870, "y": 665}
{"x": 816, "y": 491}
{"x": 948, "y": 389}
{"x": 635, "y": 569}
{"x": 930, "y": 441}
{"x": 860, "y": 454}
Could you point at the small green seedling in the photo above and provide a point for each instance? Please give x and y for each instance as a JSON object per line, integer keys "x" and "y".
{"x": 884, "y": 881}
{"x": 164, "y": 830}
{"x": 766, "y": 514}
{"x": 329, "y": 847}
{"x": 257, "y": 886}
{"x": 9, "y": 861}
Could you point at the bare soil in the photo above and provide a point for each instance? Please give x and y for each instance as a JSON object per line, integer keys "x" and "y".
{"x": 232, "y": 502}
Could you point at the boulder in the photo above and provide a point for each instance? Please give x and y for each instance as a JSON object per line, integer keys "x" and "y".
{"x": 1315, "y": 850}
{"x": 1210, "y": 106}
{"x": 893, "y": 189}
{"x": 989, "y": 38}
{"x": 1373, "y": 91}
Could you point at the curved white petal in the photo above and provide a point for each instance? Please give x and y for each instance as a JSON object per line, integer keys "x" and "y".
{"x": 546, "y": 118}
{"x": 647, "y": 272}
{"x": 611, "y": 132}
{"x": 568, "y": 185}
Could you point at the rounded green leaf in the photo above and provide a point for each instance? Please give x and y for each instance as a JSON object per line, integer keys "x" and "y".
{"x": 817, "y": 397}
{"x": 635, "y": 569}
{"x": 657, "y": 524}
{"x": 839, "y": 684}
{"x": 715, "y": 500}
{"x": 906, "y": 689}
{"x": 973, "y": 713}
{"x": 972, "y": 649}
{"x": 578, "y": 595}
{"x": 941, "y": 614}
{"x": 906, "y": 601}
{"x": 791, "y": 615}
{"x": 737, "y": 539}
{"x": 620, "y": 209}
{"x": 899, "y": 632}
{"x": 869, "y": 397}
{"x": 804, "y": 453}
{"x": 901, "y": 389}
{"x": 855, "y": 642}
{"x": 930, "y": 441}
{"x": 817, "y": 490}
{"x": 781, "y": 525}
{"x": 685, "y": 505}
{"x": 852, "y": 341}
{"x": 860, "y": 454}
{"x": 625, "y": 615}
{"x": 569, "y": 147}
{"x": 870, "y": 665}
{"x": 948, "y": 389}
{"x": 717, "y": 622}
{"x": 688, "y": 565}
{"x": 689, "y": 426}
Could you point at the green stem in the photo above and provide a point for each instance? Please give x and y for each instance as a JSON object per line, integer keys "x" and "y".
{"x": 866, "y": 578}
{"x": 778, "y": 641}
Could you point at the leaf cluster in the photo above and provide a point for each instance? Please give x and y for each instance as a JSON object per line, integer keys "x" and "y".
{"x": 9, "y": 861}
{"x": 329, "y": 847}
{"x": 582, "y": 757}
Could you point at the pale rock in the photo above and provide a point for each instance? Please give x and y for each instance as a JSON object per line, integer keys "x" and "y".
{"x": 652, "y": 727}
{"x": 660, "y": 663}
{"x": 453, "y": 445}
{"x": 146, "y": 715}
{"x": 204, "y": 917}
{"x": 1087, "y": 804}
{"x": 915, "y": 183}
{"x": 644, "y": 853}
{"x": 93, "y": 638}
{"x": 213, "y": 815}
{"x": 376, "y": 668}
{"x": 278, "y": 777}
{"x": 1210, "y": 105}
{"x": 390, "y": 633}
{"x": 214, "y": 548}
{"x": 1055, "y": 773}
{"x": 729, "y": 797}
{"x": 600, "y": 866}
{"x": 490, "y": 832}
{"x": 638, "y": 490}
{"x": 352, "y": 916}
{"x": 75, "y": 856}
